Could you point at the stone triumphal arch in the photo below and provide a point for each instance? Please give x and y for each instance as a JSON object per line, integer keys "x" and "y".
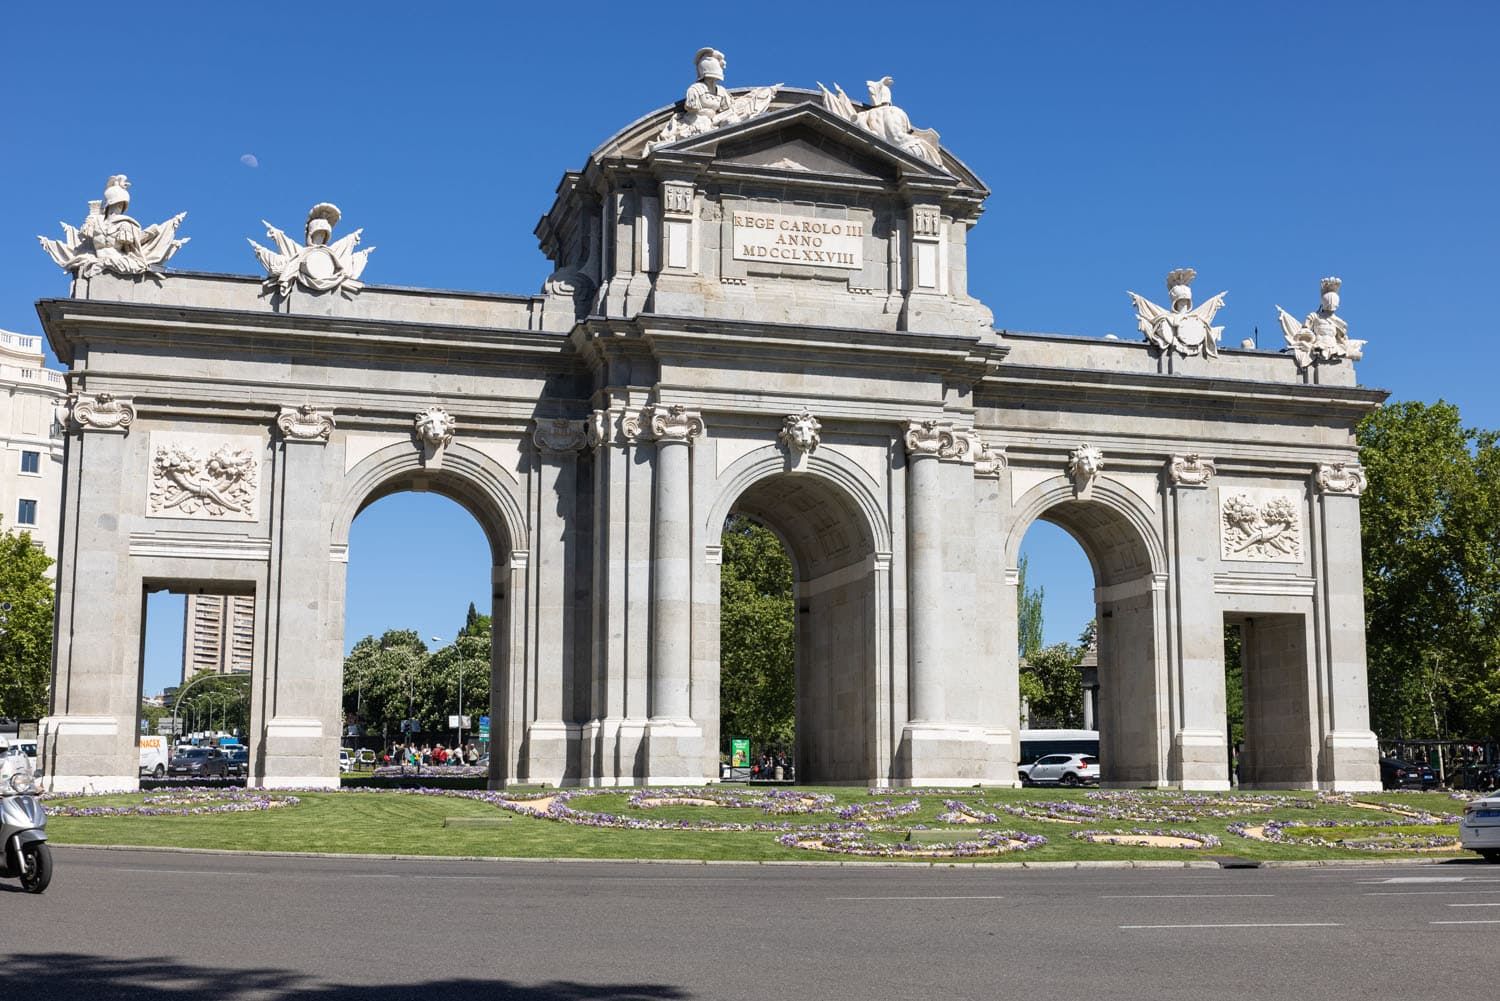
{"x": 759, "y": 305}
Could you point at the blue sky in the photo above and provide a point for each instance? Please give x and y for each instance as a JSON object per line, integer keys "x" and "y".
{"x": 1264, "y": 144}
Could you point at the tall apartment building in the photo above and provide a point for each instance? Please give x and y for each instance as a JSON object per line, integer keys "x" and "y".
{"x": 218, "y": 633}
{"x": 31, "y": 461}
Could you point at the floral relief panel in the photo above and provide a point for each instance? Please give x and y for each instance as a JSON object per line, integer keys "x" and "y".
{"x": 1260, "y": 525}
{"x": 205, "y": 476}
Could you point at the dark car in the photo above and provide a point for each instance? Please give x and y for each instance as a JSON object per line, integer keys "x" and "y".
{"x": 198, "y": 762}
{"x": 237, "y": 761}
{"x": 1398, "y": 774}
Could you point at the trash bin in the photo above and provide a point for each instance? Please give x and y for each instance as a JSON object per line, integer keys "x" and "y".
{"x": 776, "y": 773}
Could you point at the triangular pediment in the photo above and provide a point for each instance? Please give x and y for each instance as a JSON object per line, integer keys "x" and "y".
{"x": 805, "y": 139}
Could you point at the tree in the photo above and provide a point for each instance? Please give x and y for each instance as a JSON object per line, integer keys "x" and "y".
{"x": 1028, "y": 614}
{"x": 1430, "y": 520}
{"x": 757, "y": 654}
{"x": 475, "y": 624}
{"x": 1053, "y": 686}
{"x": 26, "y": 633}
{"x": 396, "y": 677}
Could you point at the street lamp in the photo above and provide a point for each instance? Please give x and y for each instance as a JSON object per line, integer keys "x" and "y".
{"x": 457, "y": 653}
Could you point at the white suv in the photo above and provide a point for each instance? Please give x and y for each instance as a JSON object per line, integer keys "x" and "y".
{"x": 1061, "y": 769}
{"x": 1480, "y": 829}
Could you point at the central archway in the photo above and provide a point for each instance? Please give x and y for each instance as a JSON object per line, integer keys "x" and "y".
{"x": 1114, "y": 528}
{"x": 839, "y": 567}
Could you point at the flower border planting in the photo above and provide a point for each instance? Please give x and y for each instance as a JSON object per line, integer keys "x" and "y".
{"x": 190, "y": 801}
{"x": 861, "y": 844}
{"x": 1102, "y": 838}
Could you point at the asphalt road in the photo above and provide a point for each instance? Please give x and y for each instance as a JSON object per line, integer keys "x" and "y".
{"x": 139, "y": 925}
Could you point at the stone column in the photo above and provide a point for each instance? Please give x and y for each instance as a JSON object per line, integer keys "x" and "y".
{"x": 302, "y": 691}
{"x": 1349, "y": 756}
{"x": 924, "y": 527}
{"x": 1200, "y": 745}
{"x": 549, "y": 703}
{"x": 674, "y": 742}
{"x": 88, "y": 741}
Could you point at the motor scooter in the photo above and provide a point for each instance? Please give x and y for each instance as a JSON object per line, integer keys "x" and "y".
{"x": 23, "y": 841}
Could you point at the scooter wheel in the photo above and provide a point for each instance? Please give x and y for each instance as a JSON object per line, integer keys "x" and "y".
{"x": 36, "y": 867}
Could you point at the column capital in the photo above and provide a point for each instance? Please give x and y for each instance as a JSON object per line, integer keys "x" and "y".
{"x": 100, "y": 412}
{"x": 555, "y": 435}
{"x": 1346, "y": 478}
{"x": 989, "y": 460}
{"x": 674, "y": 424}
{"x": 939, "y": 439}
{"x": 305, "y": 423}
{"x": 1191, "y": 470}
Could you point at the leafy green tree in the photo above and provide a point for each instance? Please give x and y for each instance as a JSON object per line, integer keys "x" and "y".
{"x": 475, "y": 624}
{"x": 1029, "y": 615}
{"x": 757, "y": 653}
{"x": 215, "y": 701}
{"x": 1053, "y": 686}
{"x": 395, "y": 677}
{"x": 1430, "y": 521}
{"x": 26, "y": 634}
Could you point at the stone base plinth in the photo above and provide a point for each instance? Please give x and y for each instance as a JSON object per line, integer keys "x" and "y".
{"x": 88, "y": 754}
{"x": 674, "y": 753}
{"x": 1200, "y": 761}
{"x": 295, "y": 754}
{"x": 545, "y": 752}
{"x": 616, "y": 748}
{"x": 1350, "y": 762}
{"x": 955, "y": 755}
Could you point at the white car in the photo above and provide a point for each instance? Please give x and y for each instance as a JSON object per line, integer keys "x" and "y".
{"x": 1061, "y": 769}
{"x": 346, "y": 762}
{"x": 1479, "y": 830}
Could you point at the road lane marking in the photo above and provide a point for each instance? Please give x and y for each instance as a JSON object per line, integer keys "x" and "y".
{"x": 1179, "y": 896}
{"x": 1475, "y": 905}
{"x": 1425, "y": 893}
{"x": 190, "y": 872}
{"x": 1432, "y": 879}
{"x": 917, "y": 898}
{"x": 1248, "y": 924}
{"x": 1487, "y": 921}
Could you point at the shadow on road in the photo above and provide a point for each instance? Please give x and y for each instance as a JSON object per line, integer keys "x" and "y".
{"x": 96, "y": 978}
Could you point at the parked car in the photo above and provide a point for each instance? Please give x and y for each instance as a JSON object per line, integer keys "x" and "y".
{"x": 1479, "y": 830}
{"x": 198, "y": 762}
{"x": 237, "y": 761}
{"x": 1061, "y": 769}
{"x": 346, "y": 760}
{"x": 1398, "y": 774}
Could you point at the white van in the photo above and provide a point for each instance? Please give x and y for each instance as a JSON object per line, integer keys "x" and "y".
{"x": 154, "y": 755}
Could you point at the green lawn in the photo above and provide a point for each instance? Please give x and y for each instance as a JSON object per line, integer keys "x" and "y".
{"x": 397, "y": 823}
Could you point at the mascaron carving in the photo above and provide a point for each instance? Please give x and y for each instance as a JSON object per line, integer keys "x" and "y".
{"x": 708, "y": 105}
{"x": 1260, "y": 525}
{"x": 101, "y": 412}
{"x": 558, "y": 434}
{"x": 1341, "y": 478}
{"x": 110, "y": 240}
{"x": 1084, "y": 464}
{"x": 800, "y": 435}
{"x": 939, "y": 438}
{"x": 434, "y": 429}
{"x": 1323, "y": 336}
{"x": 185, "y": 484}
{"x": 319, "y": 266}
{"x": 674, "y": 423}
{"x": 1191, "y": 470}
{"x": 1182, "y": 328}
{"x": 305, "y": 423}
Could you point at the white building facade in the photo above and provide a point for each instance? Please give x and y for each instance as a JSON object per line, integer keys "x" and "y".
{"x": 31, "y": 460}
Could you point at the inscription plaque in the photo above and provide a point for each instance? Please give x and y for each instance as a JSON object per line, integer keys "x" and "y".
{"x": 793, "y": 238}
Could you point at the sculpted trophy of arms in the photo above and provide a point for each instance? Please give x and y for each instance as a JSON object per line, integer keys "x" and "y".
{"x": 1323, "y": 336}
{"x": 709, "y": 105}
{"x": 1182, "y": 328}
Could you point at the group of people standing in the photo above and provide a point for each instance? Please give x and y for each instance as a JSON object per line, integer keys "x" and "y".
{"x": 432, "y": 756}
{"x": 772, "y": 766}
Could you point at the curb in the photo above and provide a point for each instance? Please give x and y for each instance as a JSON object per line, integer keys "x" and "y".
{"x": 794, "y": 863}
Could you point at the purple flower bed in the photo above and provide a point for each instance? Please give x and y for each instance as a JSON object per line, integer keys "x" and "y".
{"x": 1203, "y": 840}
{"x": 861, "y": 844}
{"x": 188, "y": 802}
{"x": 1287, "y": 832}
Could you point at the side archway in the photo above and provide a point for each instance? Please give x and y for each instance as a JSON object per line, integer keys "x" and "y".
{"x": 1120, "y": 534}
